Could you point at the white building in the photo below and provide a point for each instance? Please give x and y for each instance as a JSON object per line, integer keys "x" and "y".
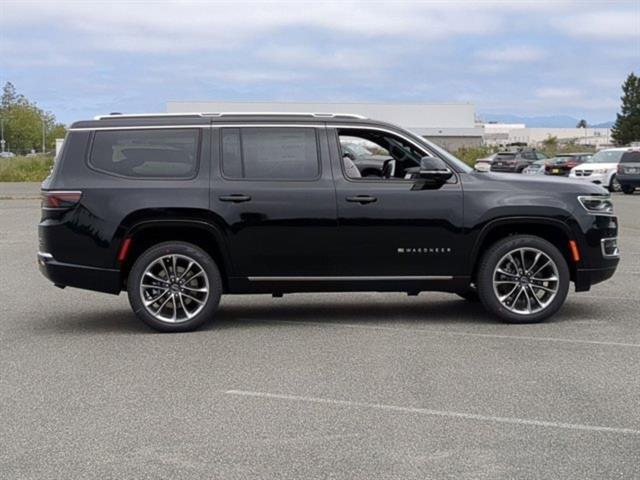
{"x": 451, "y": 125}
{"x": 504, "y": 134}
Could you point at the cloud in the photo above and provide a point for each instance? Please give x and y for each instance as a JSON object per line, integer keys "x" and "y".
{"x": 170, "y": 26}
{"x": 603, "y": 25}
{"x": 512, "y": 54}
{"x": 519, "y": 56}
{"x": 558, "y": 92}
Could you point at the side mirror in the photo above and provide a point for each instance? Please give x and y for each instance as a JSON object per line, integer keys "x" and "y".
{"x": 434, "y": 169}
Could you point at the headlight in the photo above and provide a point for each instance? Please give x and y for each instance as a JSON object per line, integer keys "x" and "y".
{"x": 597, "y": 205}
{"x": 602, "y": 170}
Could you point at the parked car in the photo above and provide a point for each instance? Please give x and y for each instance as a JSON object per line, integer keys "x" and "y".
{"x": 562, "y": 163}
{"x": 515, "y": 162}
{"x": 7, "y": 154}
{"x": 484, "y": 164}
{"x": 601, "y": 169}
{"x": 536, "y": 168}
{"x": 179, "y": 209}
{"x": 629, "y": 170}
{"x": 369, "y": 164}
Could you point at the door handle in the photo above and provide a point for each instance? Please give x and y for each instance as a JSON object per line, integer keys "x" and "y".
{"x": 362, "y": 199}
{"x": 235, "y": 198}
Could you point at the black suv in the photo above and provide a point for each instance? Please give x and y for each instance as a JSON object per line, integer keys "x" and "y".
{"x": 629, "y": 170}
{"x": 180, "y": 209}
{"x": 515, "y": 162}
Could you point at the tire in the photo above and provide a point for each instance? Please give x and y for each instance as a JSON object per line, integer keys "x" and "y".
{"x": 188, "y": 297}
{"x": 628, "y": 189}
{"x": 614, "y": 185}
{"x": 516, "y": 308}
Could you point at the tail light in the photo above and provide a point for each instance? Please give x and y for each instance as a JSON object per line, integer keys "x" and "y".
{"x": 619, "y": 168}
{"x": 60, "y": 199}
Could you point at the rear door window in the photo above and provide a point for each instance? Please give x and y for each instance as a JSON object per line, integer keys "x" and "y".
{"x": 270, "y": 153}
{"x": 153, "y": 153}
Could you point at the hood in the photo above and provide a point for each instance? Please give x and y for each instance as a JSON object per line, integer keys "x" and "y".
{"x": 594, "y": 166}
{"x": 541, "y": 183}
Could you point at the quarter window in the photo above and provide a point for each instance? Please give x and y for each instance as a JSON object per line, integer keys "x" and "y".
{"x": 270, "y": 153}
{"x": 157, "y": 153}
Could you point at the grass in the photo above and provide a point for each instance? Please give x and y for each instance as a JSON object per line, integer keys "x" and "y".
{"x": 25, "y": 169}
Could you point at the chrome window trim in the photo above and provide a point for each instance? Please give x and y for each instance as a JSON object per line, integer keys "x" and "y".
{"x": 422, "y": 148}
{"x": 138, "y": 127}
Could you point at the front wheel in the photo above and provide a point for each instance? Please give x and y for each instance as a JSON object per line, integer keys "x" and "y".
{"x": 523, "y": 279}
{"x": 614, "y": 185}
{"x": 628, "y": 189}
{"x": 174, "y": 287}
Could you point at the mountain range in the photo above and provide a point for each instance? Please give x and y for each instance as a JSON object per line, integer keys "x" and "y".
{"x": 548, "y": 121}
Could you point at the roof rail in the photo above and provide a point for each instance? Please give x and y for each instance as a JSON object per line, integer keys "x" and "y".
{"x": 229, "y": 114}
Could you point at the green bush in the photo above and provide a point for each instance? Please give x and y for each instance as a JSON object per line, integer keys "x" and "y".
{"x": 25, "y": 169}
{"x": 469, "y": 155}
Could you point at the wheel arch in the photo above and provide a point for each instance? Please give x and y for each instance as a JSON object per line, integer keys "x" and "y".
{"x": 554, "y": 231}
{"x": 146, "y": 232}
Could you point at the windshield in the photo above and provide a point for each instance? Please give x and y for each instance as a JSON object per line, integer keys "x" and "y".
{"x": 606, "y": 156}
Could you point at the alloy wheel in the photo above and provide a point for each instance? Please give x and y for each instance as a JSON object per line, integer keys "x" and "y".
{"x": 615, "y": 185}
{"x": 526, "y": 280}
{"x": 174, "y": 288}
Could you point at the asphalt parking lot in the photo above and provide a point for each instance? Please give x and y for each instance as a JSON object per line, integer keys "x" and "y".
{"x": 354, "y": 386}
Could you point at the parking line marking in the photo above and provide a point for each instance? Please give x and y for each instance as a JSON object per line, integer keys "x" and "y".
{"x": 435, "y": 413}
{"x": 460, "y": 334}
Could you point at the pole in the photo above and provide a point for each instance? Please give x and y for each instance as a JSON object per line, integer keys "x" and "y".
{"x": 43, "y": 136}
{"x": 2, "y": 134}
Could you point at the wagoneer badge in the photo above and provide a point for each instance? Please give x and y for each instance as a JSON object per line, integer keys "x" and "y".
{"x": 424, "y": 250}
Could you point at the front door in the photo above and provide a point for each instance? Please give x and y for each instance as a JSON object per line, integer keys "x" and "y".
{"x": 387, "y": 228}
{"x": 273, "y": 189}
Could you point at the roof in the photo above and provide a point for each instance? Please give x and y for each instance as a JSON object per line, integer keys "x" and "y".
{"x": 228, "y": 114}
{"x": 208, "y": 118}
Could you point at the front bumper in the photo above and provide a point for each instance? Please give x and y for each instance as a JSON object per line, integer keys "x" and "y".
{"x": 597, "y": 178}
{"x": 79, "y": 276}
{"x": 586, "y": 277}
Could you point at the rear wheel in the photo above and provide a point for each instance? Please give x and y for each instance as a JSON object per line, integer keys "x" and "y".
{"x": 523, "y": 279}
{"x": 174, "y": 287}
{"x": 628, "y": 189}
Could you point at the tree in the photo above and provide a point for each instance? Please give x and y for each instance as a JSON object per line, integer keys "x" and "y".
{"x": 24, "y": 123}
{"x": 582, "y": 124}
{"x": 627, "y": 126}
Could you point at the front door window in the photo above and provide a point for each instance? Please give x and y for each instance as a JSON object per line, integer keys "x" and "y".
{"x": 378, "y": 154}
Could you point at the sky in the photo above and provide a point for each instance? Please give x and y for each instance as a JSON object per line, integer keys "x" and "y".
{"x": 79, "y": 59}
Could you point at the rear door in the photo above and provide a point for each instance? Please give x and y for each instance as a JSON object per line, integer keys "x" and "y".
{"x": 272, "y": 189}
